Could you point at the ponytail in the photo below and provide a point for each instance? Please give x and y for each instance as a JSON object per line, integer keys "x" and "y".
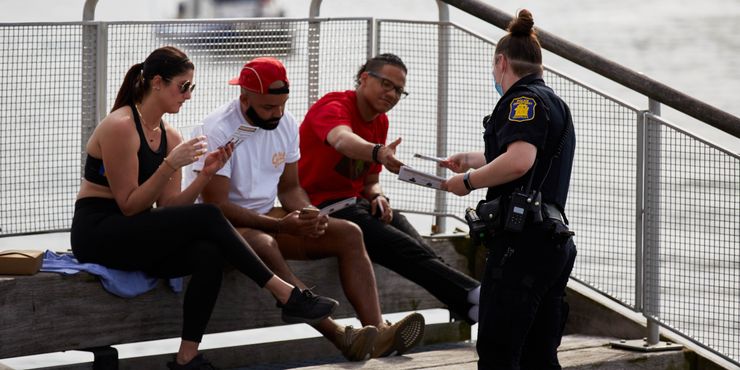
{"x": 132, "y": 88}
{"x": 166, "y": 62}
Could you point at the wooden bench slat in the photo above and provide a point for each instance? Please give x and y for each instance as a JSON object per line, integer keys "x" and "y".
{"x": 50, "y": 312}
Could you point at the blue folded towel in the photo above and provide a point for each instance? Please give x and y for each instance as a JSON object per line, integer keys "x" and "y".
{"x": 125, "y": 284}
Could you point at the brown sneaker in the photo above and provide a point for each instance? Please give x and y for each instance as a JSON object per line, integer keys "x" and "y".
{"x": 357, "y": 344}
{"x": 400, "y": 337}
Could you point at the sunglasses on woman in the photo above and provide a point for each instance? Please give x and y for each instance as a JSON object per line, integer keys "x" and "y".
{"x": 185, "y": 87}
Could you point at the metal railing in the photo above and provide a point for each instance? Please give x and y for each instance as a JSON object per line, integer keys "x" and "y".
{"x": 654, "y": 207}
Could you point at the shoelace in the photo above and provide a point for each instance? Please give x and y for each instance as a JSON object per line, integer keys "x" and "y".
{"x": 348, "y": 335}
{"x": 308, "y": 294}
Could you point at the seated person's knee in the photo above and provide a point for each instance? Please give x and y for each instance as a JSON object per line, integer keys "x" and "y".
{"x": 208, "y": 254}
{"x": 349, "y": 232}
{"x": 259, "y": 240}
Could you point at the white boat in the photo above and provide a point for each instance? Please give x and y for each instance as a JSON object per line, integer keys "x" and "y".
{"x": 252, "y": 37}
{"x": 229, "y": 9}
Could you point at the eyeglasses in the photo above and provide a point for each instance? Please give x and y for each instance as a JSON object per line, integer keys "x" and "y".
{"x": 388, "y": 85}
{"x": 185, "y": 87}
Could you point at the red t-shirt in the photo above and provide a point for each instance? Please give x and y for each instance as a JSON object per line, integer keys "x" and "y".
{"x": 325, "y": 173}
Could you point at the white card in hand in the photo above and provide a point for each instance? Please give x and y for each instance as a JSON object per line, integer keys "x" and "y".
{"x": 241, "y": 133}
{"x": 428, "y": 158}
{"x": 417, "y": 177}
{"x": 342, "y": 204}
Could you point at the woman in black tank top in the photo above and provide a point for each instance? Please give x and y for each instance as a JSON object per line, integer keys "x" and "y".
{"x": 131, "y": 214}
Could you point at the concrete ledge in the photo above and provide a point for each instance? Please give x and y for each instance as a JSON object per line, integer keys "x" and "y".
{"x": 591, "y": 314}
{"x": 50, "y": 312}
{"x": 594, "y": 314}
{"x": 266, "y": 355}
{"x": 576, "y": 353}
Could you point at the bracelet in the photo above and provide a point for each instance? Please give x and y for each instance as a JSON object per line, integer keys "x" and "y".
{"x": 169, "y": 164}
{"x": 380, "y": 195}
{"x": 466, "y": 181}
{"x": 376, "y": 149}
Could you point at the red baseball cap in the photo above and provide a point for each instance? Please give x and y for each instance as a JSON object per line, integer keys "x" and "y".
{"x": 259, "y": 73}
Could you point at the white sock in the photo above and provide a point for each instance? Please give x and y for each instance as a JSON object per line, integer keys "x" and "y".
{"x": 474, "y": 295}
{"x": 473, "y": 313}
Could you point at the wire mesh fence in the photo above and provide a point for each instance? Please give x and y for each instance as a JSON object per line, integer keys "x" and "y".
{"x": 601, "y": 204}
{"x": 468, "y": 97}
{"x": 220, "y": 48}
{"x": 601, "y": 201}
{"x": 59, "y": 79}
{"x": 40, "y": 135}
{"x": 691, "y": 245}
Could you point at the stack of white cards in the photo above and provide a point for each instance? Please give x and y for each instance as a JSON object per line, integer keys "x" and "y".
{"x": 420, "y": 178}
{"x": 342, "y": 204}
{"x": 241, "y": 133}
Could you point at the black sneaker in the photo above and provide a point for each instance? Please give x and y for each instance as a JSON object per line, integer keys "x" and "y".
{"x": 306, "y": 307}
{"x": 197, "y": 363}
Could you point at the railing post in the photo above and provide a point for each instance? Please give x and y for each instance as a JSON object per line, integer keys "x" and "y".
{"x": 443, "y": 46}
{"x": 653, "y": 249}
{"x": 647, "y": 242}
{"x": 314, "y": 39}
{"x": 93, "y": 74}
{"x": 640, "y": 212}
{"x": 373, "y": 37}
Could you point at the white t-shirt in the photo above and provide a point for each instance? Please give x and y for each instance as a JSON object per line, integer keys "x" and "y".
{"x": 257, "y": 163}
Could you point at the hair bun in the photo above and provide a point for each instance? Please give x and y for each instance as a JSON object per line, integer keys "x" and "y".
{"x": 522, "y": 24}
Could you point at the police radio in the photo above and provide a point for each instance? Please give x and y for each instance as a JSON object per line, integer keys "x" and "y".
{"x": 517, "y": 212}
{"x": 522, "y": 203}
{"x": 521, "y": 206}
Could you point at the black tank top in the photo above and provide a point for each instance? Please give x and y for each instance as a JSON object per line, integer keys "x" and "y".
{"x": 149, "y": 160}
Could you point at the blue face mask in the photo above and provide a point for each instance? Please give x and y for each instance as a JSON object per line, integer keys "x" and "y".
{"x": 498, "y": 87}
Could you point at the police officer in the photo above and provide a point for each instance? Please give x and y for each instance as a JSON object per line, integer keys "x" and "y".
{"x": 529, "y": 144}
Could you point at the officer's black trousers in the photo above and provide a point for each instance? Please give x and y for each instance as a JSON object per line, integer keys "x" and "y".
{"x": 522, "y": 307}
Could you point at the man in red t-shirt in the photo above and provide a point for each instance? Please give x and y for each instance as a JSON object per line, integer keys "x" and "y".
{"x": 342, "y": 153}
{"x": 263, "y": 169}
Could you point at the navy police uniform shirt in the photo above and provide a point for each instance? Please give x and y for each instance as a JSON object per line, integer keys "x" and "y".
{"x": 530, "y": 111}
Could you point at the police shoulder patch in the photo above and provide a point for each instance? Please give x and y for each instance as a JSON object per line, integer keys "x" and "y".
{"x": 522, "y": 109}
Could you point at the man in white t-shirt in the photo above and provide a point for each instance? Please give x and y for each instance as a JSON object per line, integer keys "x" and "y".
{"x": 263, "y": 168}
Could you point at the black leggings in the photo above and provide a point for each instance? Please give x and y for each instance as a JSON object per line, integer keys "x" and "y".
{"x": 167, "y": 242}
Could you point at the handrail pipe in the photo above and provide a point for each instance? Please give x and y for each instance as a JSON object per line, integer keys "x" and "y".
{"x": 614, "y": 71}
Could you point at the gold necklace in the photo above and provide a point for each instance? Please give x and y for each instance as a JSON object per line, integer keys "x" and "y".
{"x": 143, "y": 123}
